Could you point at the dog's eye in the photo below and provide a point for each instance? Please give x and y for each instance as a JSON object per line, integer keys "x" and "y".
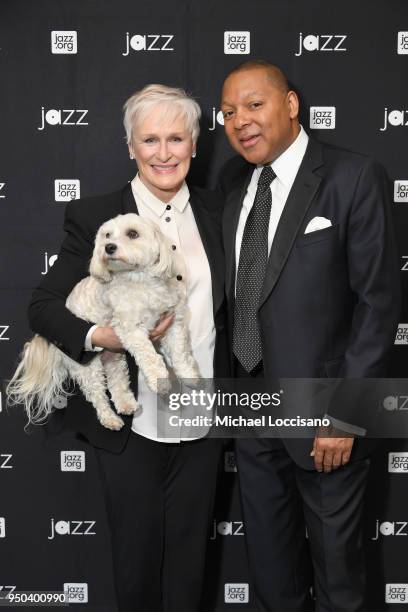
{"x": 107, "y": 235}
{"x": 132, "y": 234}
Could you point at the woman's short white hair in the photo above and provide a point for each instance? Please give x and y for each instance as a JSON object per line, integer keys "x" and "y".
{"x": 152, "y": 95}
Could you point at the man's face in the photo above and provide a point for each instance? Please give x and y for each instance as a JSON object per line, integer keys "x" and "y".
{"x": 260, "y": 119}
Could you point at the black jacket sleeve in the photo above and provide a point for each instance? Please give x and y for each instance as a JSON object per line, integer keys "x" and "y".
{"x": 47, "y": 312}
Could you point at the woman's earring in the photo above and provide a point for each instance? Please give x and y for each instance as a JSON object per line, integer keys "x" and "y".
{"x": 131, "y": 157}
{"x": 193, "y": 154}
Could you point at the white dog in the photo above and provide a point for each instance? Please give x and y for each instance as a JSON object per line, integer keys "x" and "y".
{"x": 135, "y": 277}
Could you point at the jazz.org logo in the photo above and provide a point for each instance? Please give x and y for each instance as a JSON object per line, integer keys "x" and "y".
{"x": 395, "y": 118}
{"x": 396, "y": 593}
{"x": 400, "y": 191}
{"x": 64, "y": 528}
{"x": 216, "y": 118}
{"x": 64, "y": 41}
{"x": 237, "y": 43}
{"x": 5, "y": 459}
{"x": 67, "y": 190}
{"x": 396, "y": 402}
{"x": 402, "y": 334}
{"x": 230, "y": 464}
{"x": 65, "y": 116}
{"x": 321, "y": 42}
{"x": 2, "y": 527}
{"x": 2, "y": 194}
{"x": 323, "y": 117}
{"x": 3, "y": 331}
{"x": 398, "y": 463}
{"x": 148, "y": 42}
{"x": 227, "y": 528}
{"x": 402, "y": 44}
{"x": 72, "y": 461}
{"x": 76, "y": 592}
{"x": 235, "y": 592}
{"x": 49, "y": 261}
{"x": 396, "y": 528}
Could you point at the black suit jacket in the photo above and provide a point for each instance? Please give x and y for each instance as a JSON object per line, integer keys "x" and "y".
{"x": 49, "y": 317}
{"x": 330, "y": 302}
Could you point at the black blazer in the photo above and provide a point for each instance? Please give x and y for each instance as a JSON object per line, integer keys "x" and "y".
{"x": 49, "y": 317}
{"x": 330, "y": 302}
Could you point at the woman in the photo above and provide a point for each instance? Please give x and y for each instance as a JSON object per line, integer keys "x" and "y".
{"x": 159, "y": 491}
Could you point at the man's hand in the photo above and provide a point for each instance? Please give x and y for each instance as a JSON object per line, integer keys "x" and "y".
{"x": 330, "y": 450}
{"x": 161, "y": 327}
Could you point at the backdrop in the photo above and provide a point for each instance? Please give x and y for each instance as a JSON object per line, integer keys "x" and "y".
{"x": 66, "y": 67}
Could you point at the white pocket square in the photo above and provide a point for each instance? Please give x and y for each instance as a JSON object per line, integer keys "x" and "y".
{"x": 317, "y": 223}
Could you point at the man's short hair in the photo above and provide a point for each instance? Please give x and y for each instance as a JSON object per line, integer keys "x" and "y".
{"x": 275, "y": 74}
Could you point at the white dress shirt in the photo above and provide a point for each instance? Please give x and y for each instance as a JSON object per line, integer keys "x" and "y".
{"x": 286, "y": 167}
{"x": 176, "y": 220}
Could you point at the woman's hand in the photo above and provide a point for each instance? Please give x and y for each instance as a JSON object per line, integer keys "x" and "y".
{"x": 105, "y": 337}
{"x": 161, "y": 327}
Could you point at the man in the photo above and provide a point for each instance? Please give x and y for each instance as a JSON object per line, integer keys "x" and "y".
{"x": 313, "y": 291}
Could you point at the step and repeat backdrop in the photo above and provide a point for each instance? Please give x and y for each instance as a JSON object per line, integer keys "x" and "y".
{"x": 66, "y": 67}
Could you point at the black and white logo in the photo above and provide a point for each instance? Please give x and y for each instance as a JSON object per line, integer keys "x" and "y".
{"x": 402, "y": 44}
{"x": 400, "y": 191}
{"x": 321, "y": 42}
{"x": 49, "y": 261}
{"x": 230, "y": 464}
{"x": 5, "y": 461}
{"x": 4, "y": 334}
{"x": 216, "y": 118}
{"x": 67, "y": 190}
{"x": 404, "y": 262}
{"x": 2, "y": 190}
{"x": 322, "y": 117}
{"x": 398, "y": 462}
{"x": 76, "y": 592}
{"x": 402, "y": 334}
{"x": 237, "y": 43}
{"x": 396, "y": 593}
{"x": 71, "y": 528}
{"x": 227, "y": 528}
{"x": 396, "y": 402}
{"x": 63, "y": 117}
{"x": 387, "y": 528}
{"x": 2, "y": 527}
{"x": 72, "y": 461}
{"x": 64, "y": 41}
{"x": 148, "y": 42}
{"x": 235, "y": 592}
{"x": 394, "y": 118}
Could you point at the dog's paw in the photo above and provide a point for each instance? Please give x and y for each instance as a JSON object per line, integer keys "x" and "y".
{"x": 111, "y": 421}
{"x": 127, "y": 405}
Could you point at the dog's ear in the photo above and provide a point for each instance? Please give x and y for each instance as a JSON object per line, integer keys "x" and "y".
{"x": 166, "y": 265}
{"x": 97, "y": 267}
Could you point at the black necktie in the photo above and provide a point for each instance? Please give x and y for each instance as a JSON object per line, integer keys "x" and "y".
{"x": 253, "y": 258}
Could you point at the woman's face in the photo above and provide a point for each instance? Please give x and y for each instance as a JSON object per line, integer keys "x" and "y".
{"x": 162, "y": 147}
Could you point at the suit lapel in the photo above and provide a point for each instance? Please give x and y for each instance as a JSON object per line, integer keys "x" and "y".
{"x": 212, "y": 246}
{"x": 231, "y": 215}
{"x": 128, "y": 201}
{"x": 300, "y": 197}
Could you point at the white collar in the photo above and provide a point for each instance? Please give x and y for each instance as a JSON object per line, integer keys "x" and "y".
{"x": 179, "y": 201}
{"x": 287, "y": 164}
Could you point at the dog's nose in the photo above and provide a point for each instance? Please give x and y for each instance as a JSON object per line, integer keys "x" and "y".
{"x": 110, "y": 248}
